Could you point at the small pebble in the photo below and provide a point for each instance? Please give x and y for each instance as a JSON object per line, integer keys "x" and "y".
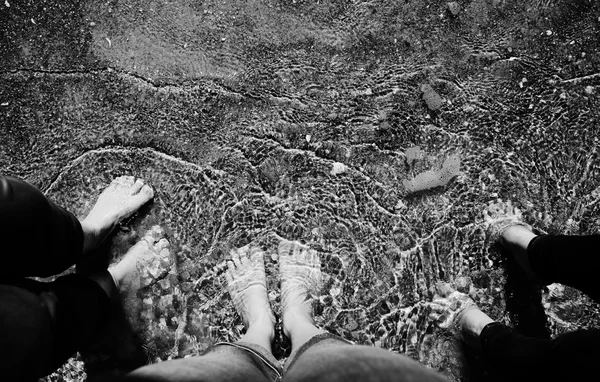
{"x": 338, "y": 168}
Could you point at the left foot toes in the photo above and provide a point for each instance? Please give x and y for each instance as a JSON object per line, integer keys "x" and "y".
{"x": 148, "y": 258}
{"x": 247, "y": 285}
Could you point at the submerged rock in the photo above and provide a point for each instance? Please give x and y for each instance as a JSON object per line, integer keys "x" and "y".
{"x": 431, "y": 179}
{"x": 431, "y": 97}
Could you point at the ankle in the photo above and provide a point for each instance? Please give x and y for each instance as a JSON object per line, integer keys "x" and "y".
{"x": 118, "y": 275}
{"x": 517, "y": 238}
{"x": 264, "y": 326}
{"x": 106, "y": 281}
{"x": 93, "y": 233}
{"x": 295, "y": 320}
{"x": 472, "y": 324}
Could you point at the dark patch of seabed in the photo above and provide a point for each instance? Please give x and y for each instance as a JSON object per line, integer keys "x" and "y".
{"x": 236, "y": 112}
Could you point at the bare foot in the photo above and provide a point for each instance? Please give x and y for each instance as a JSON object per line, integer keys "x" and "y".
{"x": 507, "y": 228}
{"x": 457, "y": 312}
{"x": 119, "y": 200}
{"x": 301, "y": 282}
{"x": 247, "y": 286}
{"x": 145, "y": 261}
{"x": 471, "y": 324}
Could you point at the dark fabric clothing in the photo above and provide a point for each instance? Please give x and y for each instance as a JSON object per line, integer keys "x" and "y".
{"x": 328, "y": 358}
{"x": 570, "y": 357}
{"x": 569, "y": 260}
{"x": 325, "y": 357}
{"x": 238, "y": 361}
{"x": 40, "y": 238}
{"x": 41, "y": 323}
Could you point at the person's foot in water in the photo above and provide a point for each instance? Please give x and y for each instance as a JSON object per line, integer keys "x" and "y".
{"x": 247, "y": 286}
{"x": 301, "y": 282}
{"x": 123, "y": 197}
{"x": 508, "y": 229}
{"x": 505, "y": 223}
{"x": 144, "y": 261}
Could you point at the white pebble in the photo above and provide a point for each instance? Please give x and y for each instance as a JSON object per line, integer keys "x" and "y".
{"x": 338, "y": 168}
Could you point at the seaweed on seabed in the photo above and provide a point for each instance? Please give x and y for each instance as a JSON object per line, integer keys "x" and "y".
{"x": 434, "y": 178}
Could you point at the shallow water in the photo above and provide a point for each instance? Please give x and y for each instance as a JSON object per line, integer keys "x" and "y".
{"x": 261, "y": 120}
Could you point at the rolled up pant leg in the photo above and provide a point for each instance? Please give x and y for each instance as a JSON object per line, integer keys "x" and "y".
{"x": 329, "y": 358}
{"x": 568, "y": 357}
{"x": 569, "y": 260}
{"x": 237, "y": 362}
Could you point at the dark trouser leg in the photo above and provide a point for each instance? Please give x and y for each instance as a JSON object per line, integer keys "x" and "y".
{"x": 38, "y": 237}
{"x": 43, "y": 324}
{"x": 571, "y": 356}
{"x": 328, "y": 358}
{"x": 241, "y": 362}
{"x": 569, "y": 260}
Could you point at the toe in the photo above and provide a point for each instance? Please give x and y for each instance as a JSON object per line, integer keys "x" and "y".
{"x": 146, "y": 192}
{"x": 235, "y": 257}
{"x": 313, "y": 258}
{"x": 153, "y": 235}
{"x": 517, "y": 212}
{"x": 285, "y": 248}
{"x": 256, "y": 255}
{"x": 114, "y": 184}
{"x": 231, "y": 268}
{"x": 300, "y": 252}
{"x": 162, "y": 245}
{"x": 508, "y": 207}
{"x": 137, "y": 186}
{"x": 229, "y": 277}
{"x": 245, "y": 257}
{"x": 486, "y": 216}
{"x": 127, "y": 180}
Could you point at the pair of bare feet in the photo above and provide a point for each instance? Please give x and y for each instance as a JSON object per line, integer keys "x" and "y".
{"x": 299, "y": 267}
{"x": 506, "y": 227}
{"x": 300, "y": 273}
{"x": 122, "y": 198}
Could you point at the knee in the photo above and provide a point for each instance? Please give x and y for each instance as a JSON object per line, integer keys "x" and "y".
{"x": 353, "y": 363}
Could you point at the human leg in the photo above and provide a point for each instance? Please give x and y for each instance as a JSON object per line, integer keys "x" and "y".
{"x": 566, "y": 259}
{"x": 42, "y": 239}
{"x": 328, "y": 358}
{"x": 44, "y": 323}
{"x": 571, "y": 356}
{"x": 544, "y": 259}
{"x": 569, "y": 260}
{"x": 51, "y": 320}
{"x": 321, "y": 356}
{"x": 249, "y": 359}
